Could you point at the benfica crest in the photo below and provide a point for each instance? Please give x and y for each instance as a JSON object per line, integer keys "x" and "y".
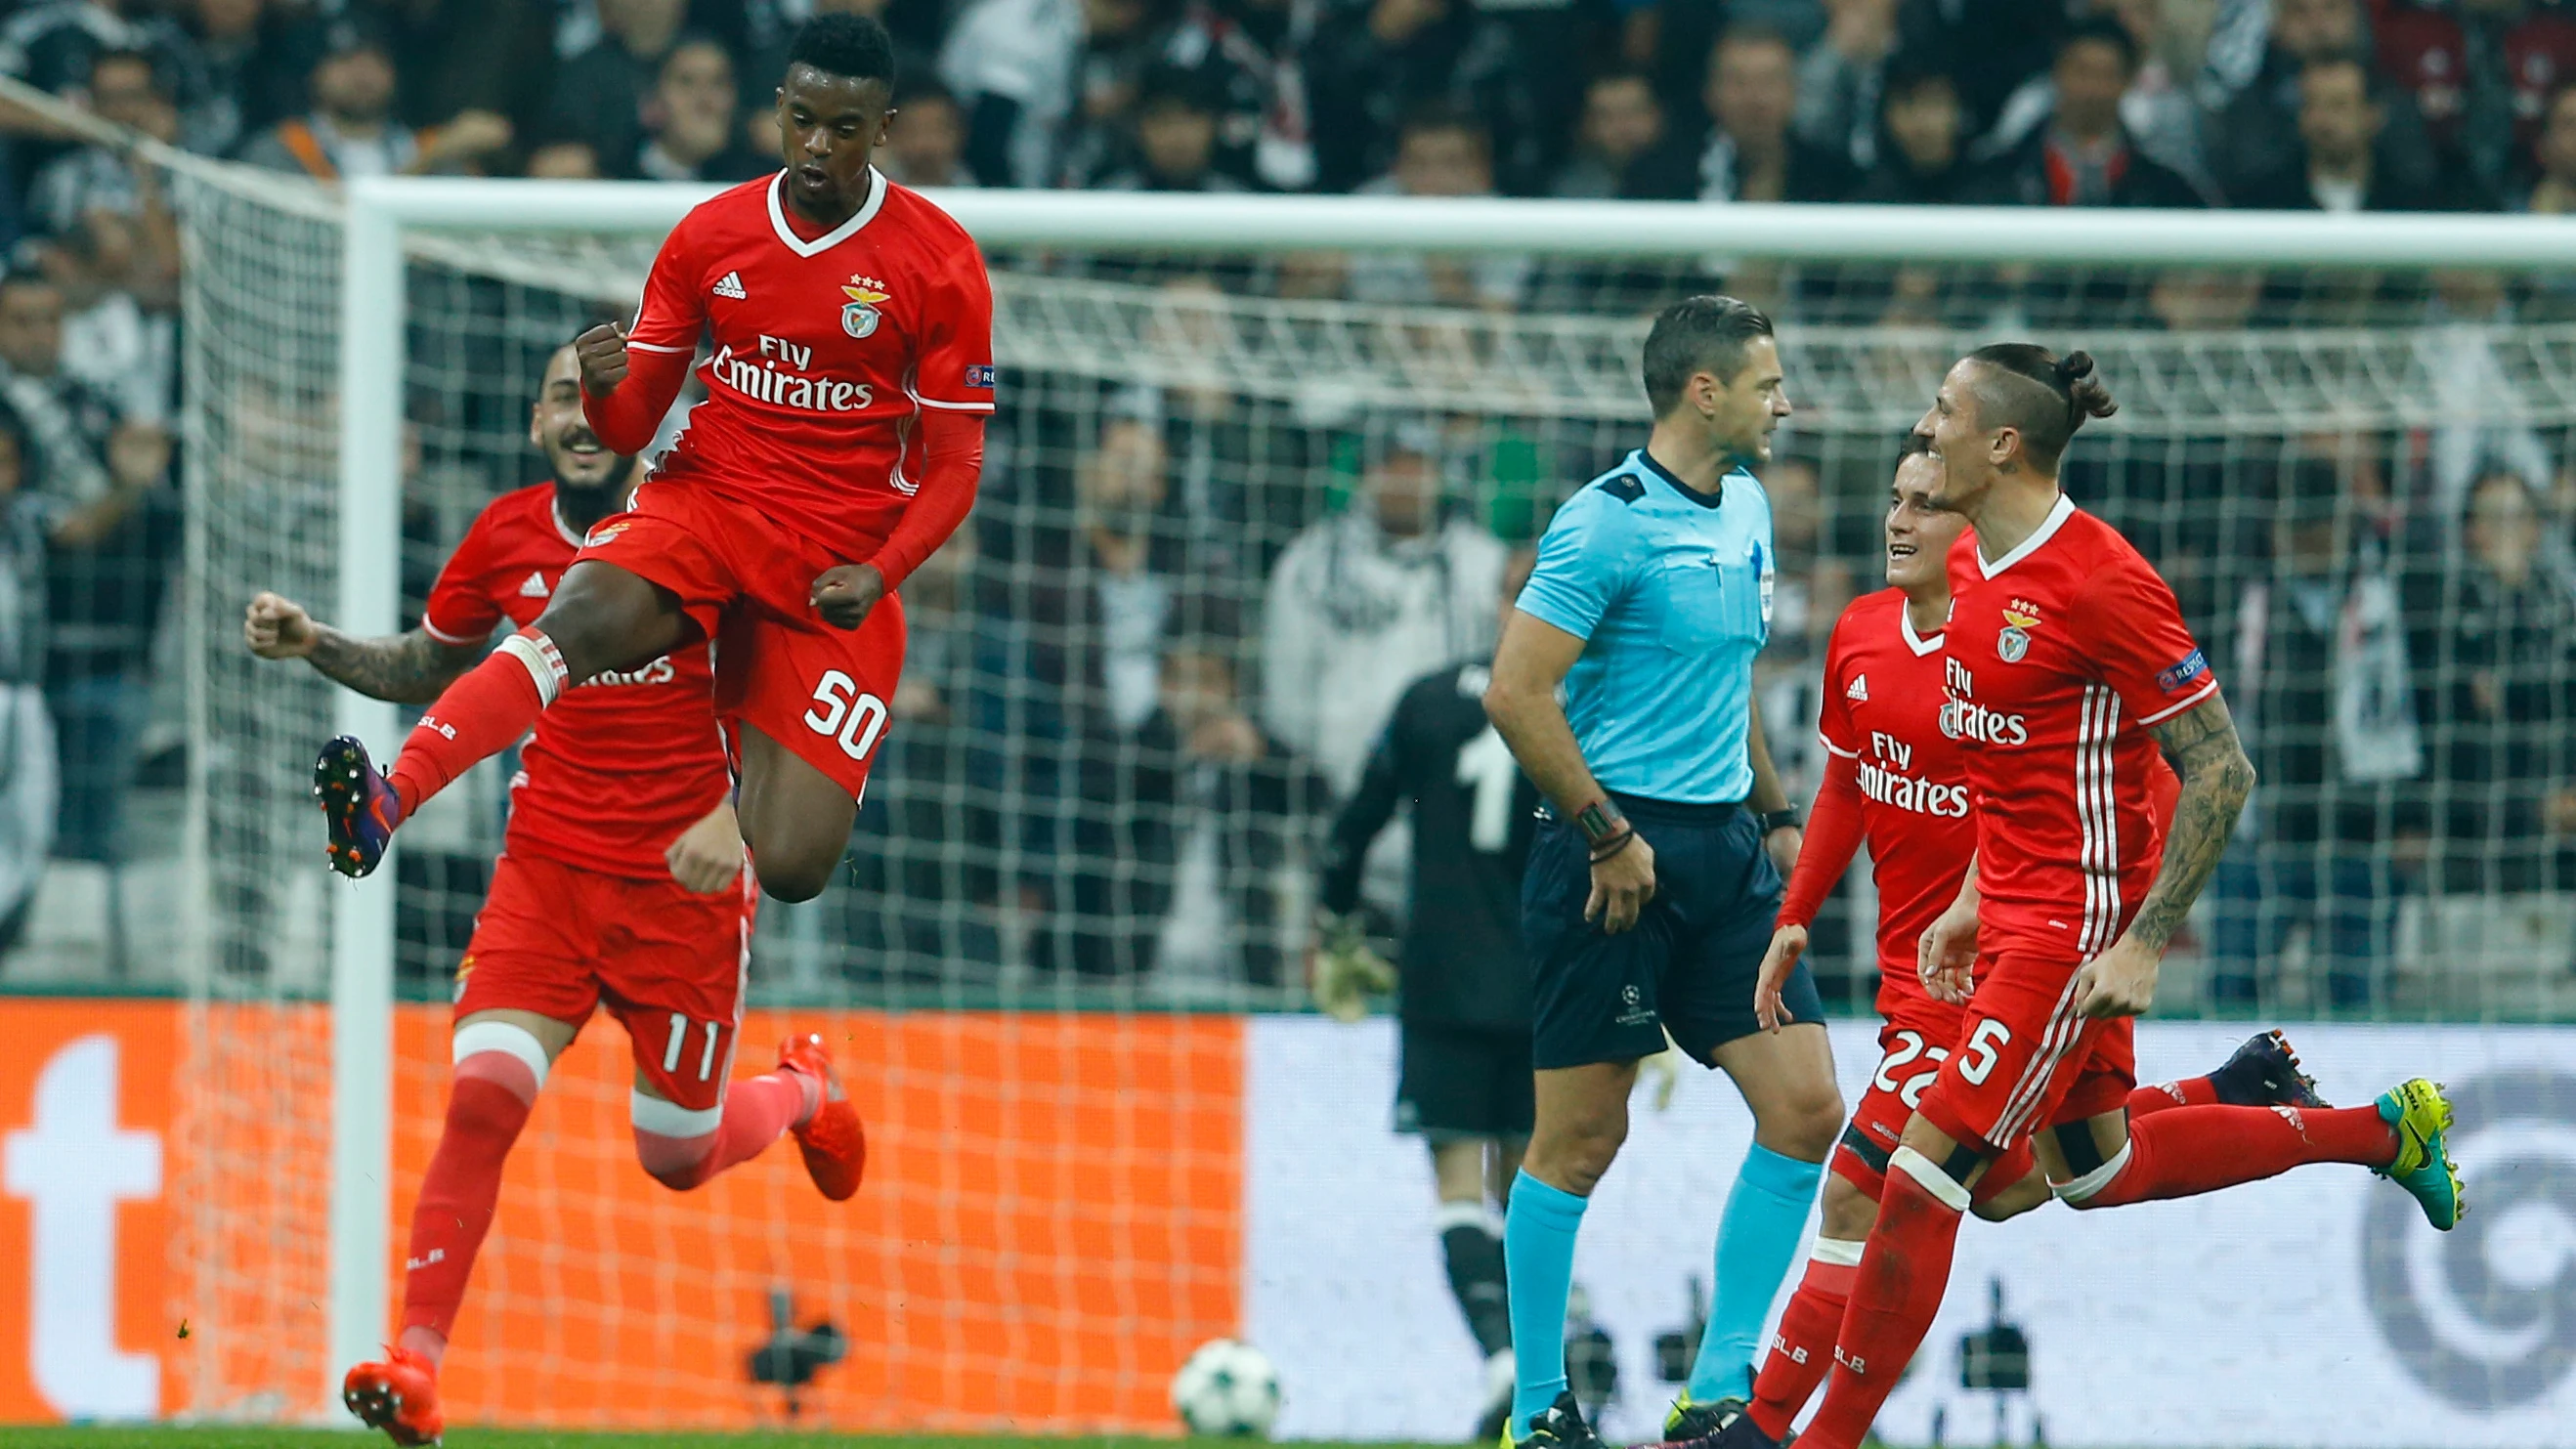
{"x": 2014, "y": 641}
{"x": 860, "y": 317}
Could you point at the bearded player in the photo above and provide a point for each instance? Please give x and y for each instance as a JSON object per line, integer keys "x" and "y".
{"x": 838, "y": 447}
{"x": 1895, "y": 778}
{"x": 2067, "y": 666}
{"x": 621, "y": 884}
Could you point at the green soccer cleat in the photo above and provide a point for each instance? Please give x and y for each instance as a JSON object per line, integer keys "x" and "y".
{"x": 2422, "y": 1116}
{"x": 1687, "y": 1420}
{"x": 1558, "y": 1426}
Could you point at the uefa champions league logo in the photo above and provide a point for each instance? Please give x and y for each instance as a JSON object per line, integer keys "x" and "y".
{"x": 2484, "y": 1316}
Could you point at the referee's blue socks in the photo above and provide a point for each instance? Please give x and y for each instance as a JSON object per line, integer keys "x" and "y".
{"x": 1538, "y": 1271}
{"x": 1757, "y": 1240}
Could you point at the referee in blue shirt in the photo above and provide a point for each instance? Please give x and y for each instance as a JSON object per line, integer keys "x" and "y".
{"x": 1650, "y": 893}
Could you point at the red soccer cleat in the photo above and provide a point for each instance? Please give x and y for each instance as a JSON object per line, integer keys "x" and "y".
{"x": 834, "y": 1142}
{"x": 399, "y": 1396}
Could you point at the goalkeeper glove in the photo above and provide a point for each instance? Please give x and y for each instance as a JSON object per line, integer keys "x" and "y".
{"x": 1346, "y": 972}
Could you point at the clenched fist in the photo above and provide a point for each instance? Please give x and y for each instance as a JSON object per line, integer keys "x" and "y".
{"x": 844, "y": 595}
{"x": 277, "y": 628}
{"x": 602, "y": 353}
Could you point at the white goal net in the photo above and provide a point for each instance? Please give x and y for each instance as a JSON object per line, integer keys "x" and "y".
{"x": 1271, "y": 488}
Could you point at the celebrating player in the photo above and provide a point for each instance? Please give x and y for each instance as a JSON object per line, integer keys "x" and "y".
{"x": 837, "y": 448}
{"x": 1464, "y": 1082}
{"x": 2066, "y": 666}
{"x": 1895, "y": 778}
{"x": 1650, "y": 599}
{"x": 622, "y": 883}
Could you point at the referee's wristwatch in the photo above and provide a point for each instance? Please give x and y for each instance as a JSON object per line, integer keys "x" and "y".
{"x": 1777, "y": 820}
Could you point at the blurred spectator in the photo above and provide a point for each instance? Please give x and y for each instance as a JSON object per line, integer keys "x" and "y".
{"x": 2083, "y": 154}
{"x": 1990, "y": 47}
{"x": 2480, "y": 71}
{"x": 2254, "y": 135}
{"x": 1046, "y": 84}
{"x": 2161, "y": 120}
{"x": 1372, "y": 63}
{"x": 927, "y": 143}
{"x": 1253, "y": 53}
{"x": 2325, "y": 694}
{"x": 599, "y": 95}
{"x": 1444, "y": 151}
{"x": 1624, "y": 148}
{"x": 2553, "y": 158}
{"x": 1175, "y": 138}
{"x": 503, "y": 76}
{"x": 30, "y": 776}
{"x": 1920, "y": 138}
{"x": 122, "y": 89}
{"x": 1841, "y": 79}
{"x": 50, "y": 45}
{"x": 2191, "y": 300}
{"x": 111, "y": 541}
{"x": 351, "y": 130}
{"x": 256, "y": 57}
{"x": 2337, "y": 164}
{"x": 1370, "y": 599}
{"x": 1751, "y": 154}
{"x": 2505, "y": 612}
{"x": 760, "y": 31}
{"x": 564, "y": 161}
{"x": 689, "y": 127}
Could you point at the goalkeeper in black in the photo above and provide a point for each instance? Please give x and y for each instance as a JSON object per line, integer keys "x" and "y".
{"x": 1463, "y": 993}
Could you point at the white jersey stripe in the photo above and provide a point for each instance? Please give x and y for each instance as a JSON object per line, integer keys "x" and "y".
{"x": 2064, "y": 1026}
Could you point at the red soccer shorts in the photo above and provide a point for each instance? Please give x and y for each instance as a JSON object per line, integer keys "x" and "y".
{"x": 1912, "y": 1048}
{"x": 824, "y": 693}
{"x": 668, "y": 963}
{"x": 2027, "y": 1060}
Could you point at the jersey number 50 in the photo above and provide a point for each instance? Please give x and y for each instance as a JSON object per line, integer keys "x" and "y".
{"x": 845, "y": 716}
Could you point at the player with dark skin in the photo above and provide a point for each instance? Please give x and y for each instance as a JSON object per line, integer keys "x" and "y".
{"x": 794, "y": 817}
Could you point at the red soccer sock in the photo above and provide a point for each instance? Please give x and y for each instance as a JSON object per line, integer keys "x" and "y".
{"x": 487, "y": 710}
{"x": 1803, "y": 1348}
{"x": 1895, "y": 1295}
{"x": 757, "y": 1111}
{"x": 486, "y": 1107}
{"x": 2162, "y": 1096}
{"x": 2192, "y": 1150}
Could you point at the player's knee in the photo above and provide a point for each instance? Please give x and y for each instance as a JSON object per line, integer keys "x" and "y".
{"x": 2031, "y": 1192}
{"x": 784, "y": 877}
{"x": 677, "y": 1163}
{"x": 1574, "y": 1154}
{"x": 1848, "y": 1213}
{"x": 1803, "y": 1124}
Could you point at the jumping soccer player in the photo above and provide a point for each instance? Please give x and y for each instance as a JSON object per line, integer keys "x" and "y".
{"x": 622, "y": 884}
{"x": 1895, "y": 778}
{"x": 837, "y": 448}
{"x": 1650, "y": 599}
{"x": 2066, "y": 666}
{"x": 1463, "y": 994}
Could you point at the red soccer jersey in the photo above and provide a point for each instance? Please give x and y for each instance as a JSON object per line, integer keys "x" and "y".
{"x": 620, "y": 764}
{"x": 2059, "y": 657}
{"x": 1882, "y": 711}
{"x": 825, "y": 348}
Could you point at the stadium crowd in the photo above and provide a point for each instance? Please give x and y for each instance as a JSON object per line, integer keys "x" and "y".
{"x": 1170, "y": 640}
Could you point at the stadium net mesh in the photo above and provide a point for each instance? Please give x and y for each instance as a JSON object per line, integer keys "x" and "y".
{"x": 1227, "y": 514}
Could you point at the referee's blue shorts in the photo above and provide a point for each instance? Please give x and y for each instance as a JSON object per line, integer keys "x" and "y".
{"x": 1689, "y": 963}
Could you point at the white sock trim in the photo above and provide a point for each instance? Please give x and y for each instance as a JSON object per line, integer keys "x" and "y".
{"x": 2083, "y": 1188}
{"x": 1467, "y": 1215}
{"x": 1837, "y": 1252}
{"x": 1936, "y": 1182}
{"x": 670, "y": 1119}
{"x": 507, "y": 1038}
{"x": 543, "y": 661}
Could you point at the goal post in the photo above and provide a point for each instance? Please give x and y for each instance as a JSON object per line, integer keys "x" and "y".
{"x": 589, "y": 241}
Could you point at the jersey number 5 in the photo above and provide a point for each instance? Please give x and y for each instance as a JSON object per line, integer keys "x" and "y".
{"x": 846, "y": 717}
{"x": 1485, "y": 765}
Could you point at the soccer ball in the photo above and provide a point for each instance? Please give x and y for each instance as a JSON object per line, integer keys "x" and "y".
{"x": 1227, "y": 1388}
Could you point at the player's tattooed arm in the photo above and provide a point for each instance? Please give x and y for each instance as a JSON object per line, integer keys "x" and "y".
{"x": 406, "y": 669}
{"x": 2216, "y": 778}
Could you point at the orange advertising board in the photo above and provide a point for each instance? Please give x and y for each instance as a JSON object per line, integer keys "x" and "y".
{"x": 1051, "y": 1220}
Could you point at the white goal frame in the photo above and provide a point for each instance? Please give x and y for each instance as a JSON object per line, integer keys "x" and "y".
{"x": 381, "y": 211}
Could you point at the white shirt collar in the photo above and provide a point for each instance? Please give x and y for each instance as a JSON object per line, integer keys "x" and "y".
{"x": 2063, "y": 510}
{"x": 1916, "y": 642}
{"x": 837, "y": 235}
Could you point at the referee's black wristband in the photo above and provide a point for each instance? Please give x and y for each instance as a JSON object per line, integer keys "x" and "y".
{"x": 1771, "y": 820}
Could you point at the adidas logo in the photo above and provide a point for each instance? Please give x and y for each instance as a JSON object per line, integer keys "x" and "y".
{"x": 535, "y": 587}
{"x": 1858, "y": 689}
{"x": 730, "y": 285}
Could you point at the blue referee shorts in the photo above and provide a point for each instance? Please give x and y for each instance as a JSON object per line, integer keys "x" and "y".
{"x": 1689, "y": 963}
